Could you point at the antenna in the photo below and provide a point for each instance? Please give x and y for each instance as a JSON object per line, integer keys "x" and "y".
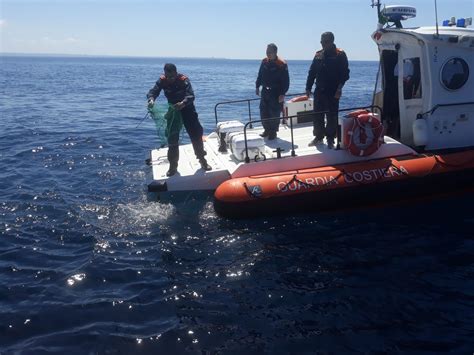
{"x": 436, "y": 15}
{"x": 376, "y": 3}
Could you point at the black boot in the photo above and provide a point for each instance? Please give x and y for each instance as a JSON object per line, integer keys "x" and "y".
{"x": 204, "y": 165}
{"x": 172, "y": 170}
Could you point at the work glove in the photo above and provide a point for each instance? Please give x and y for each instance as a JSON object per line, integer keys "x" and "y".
{"x": 179, "y": 106}
{"x": 151, "y": 102}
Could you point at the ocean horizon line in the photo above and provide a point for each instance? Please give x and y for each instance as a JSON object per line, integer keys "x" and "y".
{"x": 65, "y": 55}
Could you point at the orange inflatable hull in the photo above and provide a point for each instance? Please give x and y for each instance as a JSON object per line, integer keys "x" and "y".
{"x": 345, "y": 185}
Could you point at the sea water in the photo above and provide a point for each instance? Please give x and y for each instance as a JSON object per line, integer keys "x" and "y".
{"x": 88, "y": 264}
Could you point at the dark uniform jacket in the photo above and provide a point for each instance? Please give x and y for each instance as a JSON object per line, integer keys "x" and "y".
{"x": 180, "y": 90}
{"x": 273, "y": 76}
{"x": 330, "y": 68}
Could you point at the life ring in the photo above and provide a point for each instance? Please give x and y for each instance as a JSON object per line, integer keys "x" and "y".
{"x": 364, "y": 134}
{"x": 299, "y": 98}
{"x": 356, "y": 113}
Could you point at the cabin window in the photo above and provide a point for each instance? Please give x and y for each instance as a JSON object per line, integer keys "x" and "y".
{"x": 454, "y": 74}
{"x": 411, "y": 78}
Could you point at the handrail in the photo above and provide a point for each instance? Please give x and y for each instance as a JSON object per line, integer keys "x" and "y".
{"x": 248, "y": 102}
{"x": 435, "y": 107}
{"x": 307, "y": 113}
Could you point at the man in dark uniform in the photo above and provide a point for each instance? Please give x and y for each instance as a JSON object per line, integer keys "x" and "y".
{"x": 179, "y": 92}
{"x": 330, "y": 68}
{"x": 274, "y": 78}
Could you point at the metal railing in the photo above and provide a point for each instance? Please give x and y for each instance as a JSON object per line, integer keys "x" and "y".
{"x": 248, "y": 105}
{"x": 435, "y": 107}
{"x": 307, "y": 113}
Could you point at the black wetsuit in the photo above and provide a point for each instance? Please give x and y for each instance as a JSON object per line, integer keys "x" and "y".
{"x": 330, "y": 68}
{"x": 181, "y": 90}
{"x": 274, "y": 78}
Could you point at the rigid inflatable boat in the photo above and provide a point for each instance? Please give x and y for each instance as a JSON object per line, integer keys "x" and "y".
{"x": 414, "y": 140}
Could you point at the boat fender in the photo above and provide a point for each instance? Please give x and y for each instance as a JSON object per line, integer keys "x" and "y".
{"x": 299, "y": 98}
{"x": 420, "y": 132}
{"x": 364, "y": 134}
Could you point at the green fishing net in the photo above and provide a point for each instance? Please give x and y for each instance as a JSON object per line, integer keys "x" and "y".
{"x": 168, "y": 121}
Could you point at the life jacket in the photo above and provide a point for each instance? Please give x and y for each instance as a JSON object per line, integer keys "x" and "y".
{"x": 274, "y": 76}
{"x": 166, "y": 83}
{"x": 174, "y": 91}
{"x": 331, "y": 70}
{"x": 280, "y": 62}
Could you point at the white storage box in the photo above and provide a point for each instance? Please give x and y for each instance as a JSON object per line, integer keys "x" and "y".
{"x": 255, "y": 145}
{"x": 298, "y": 107}
{"x": 228, "y": 127}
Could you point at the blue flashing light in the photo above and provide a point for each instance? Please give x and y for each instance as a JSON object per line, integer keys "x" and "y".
{"x": 461, "y": 22}
{"x": 446, "y": 23}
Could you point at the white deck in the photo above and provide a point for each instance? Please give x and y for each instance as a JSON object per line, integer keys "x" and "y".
{"x": 191, "y": 177}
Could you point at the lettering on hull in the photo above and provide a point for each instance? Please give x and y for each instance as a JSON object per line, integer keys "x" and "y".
{"x": 364, "y": 176}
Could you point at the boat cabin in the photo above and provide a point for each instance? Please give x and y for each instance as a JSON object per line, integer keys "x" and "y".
{"x": 425, "y": 85}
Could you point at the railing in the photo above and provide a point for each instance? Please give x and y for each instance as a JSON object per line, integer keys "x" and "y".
{"x": 248, "y": 105}
{"x": 307, "y": 113}
{"x": 420, "y": 115}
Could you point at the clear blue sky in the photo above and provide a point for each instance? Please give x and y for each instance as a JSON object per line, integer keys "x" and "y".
{"x": 200, "y": 28}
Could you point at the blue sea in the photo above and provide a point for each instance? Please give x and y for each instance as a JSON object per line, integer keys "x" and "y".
{"x": 89, "y": 264}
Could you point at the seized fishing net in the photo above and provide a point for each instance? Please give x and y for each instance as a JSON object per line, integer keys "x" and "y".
{"x": 168, "y": 121}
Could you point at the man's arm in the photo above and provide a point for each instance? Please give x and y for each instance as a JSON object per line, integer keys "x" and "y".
{"x": 154, "y": 91}
{"x": 153, "y": 94}
{"x": 344, "y": 68}
{"x": 286, "y": 80}
{"x": 311, "y": 76}
{"x": 258, "y": 82}
{"x": 188, "y": 95}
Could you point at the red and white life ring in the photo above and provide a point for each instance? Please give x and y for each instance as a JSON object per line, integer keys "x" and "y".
{"x": 299, "y": 98}
{"x": 364, "y": 134}
{"x": 356, "y": 113}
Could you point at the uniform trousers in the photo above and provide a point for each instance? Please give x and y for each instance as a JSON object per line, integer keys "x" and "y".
{"x": 195, "y": 131}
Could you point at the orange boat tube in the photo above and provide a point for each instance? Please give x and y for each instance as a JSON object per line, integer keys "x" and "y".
{"x": 345, "y": 185}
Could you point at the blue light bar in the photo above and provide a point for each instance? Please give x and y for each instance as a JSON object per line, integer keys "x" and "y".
{"x": 461, "y": 22}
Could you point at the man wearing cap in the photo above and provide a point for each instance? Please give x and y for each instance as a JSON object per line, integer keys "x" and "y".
{"x": 330, "y": 68}
{"x": 179, "y": 92}
{"x": 274, "y": 79}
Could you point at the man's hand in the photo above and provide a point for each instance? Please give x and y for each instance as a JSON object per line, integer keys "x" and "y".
{"x": 151, "y": 102}
{"x": 281, "y": 98}
{"x": 179, "y": 106}
{"x": 257, "y": 91}
{"x": 338, "y": 94}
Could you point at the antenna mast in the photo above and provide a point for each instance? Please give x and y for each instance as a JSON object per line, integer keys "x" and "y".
{"x": 436, "y": 15}
{"x": 376, "y": 3}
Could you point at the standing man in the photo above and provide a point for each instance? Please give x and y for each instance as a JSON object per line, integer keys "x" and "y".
{"x": 274, "y": 78}
{"x": 179, "y": 92}
{"x": 330, "y": 68}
